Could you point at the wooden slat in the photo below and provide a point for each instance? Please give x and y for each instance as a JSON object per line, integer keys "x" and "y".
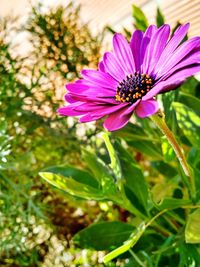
{"x": 116, "y": 13}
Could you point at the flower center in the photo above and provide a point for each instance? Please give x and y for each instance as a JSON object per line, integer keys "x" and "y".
{"x": 133, "y": 87}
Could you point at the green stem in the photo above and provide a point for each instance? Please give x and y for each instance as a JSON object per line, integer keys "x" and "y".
{"x": 161, "y": 229}
{"x": 155, "y": 217}
{"x": 172, "y": 214}
{"x": 159, "y": 120}
{"x": 173, "y": 225}
{"x": 137, "y": 259}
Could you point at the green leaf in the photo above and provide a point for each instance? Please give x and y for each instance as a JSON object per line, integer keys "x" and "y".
{"x": 72, "y": 187}
{"x": 148, "y": 137}
{"x": 141, "y": 21}
{"x": 173, "y": 203}
{"x": 164, "y": 168}
{"x": 190, "y": 101}
{"x": 194, "y": 161}
{"x": 127, "y": 33}
{"x": 134, "y": 177}
{"x": 135, "y": 236}
{"x": 167, "y": 100}
{"x": 170, "y": 115}
{"x": 194, "y": 157}
{"x": 134, "y": 132}
{"x": 191, "y": 84}
{"x": 148, "y": 148}
{"x": 160, "y": 20}
{"x": 101, "y": 172}
{"x": 189, "y": 122}
{"x": 162, "y": 190}
{"x": 110, "y": 29}
{"x": 78, "y": 175}
{"x": 192, "y": 230}
{"x": 130, "y": 262}
{"x": 167, "y": 150}
{"x": 189, "y": 255}
{"x": 104, "y": 235}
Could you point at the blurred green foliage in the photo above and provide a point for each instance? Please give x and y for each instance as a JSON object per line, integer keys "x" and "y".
{"x": 32, "y": 136}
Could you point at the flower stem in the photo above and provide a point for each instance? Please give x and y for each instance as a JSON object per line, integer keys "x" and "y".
{"x": 159, "y": 120}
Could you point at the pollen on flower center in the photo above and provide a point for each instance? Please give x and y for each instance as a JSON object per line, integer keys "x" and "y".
{"x": 133, "y": 87}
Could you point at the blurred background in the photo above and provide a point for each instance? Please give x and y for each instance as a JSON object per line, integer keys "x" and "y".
{"x": 44, "y": 45}
{"x": 118, "y": 13}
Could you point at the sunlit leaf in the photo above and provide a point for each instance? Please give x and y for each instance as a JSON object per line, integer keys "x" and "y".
{"x": 192, "y": 230}
{"x": 72, "y": 187}
{"x": 78, "y": 175}
{"x": 167, "y": 150}
{"x": 189, "y": 122}
{"x": 162, "y": 190}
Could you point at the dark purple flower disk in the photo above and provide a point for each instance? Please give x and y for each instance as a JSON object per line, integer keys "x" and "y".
{"x": 132, "y": 75}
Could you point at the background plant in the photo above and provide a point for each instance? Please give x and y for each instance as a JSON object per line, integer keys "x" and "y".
{"x": 33, "y": 216}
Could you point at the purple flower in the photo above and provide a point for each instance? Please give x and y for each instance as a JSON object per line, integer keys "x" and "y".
{"x": 129, "y": 78}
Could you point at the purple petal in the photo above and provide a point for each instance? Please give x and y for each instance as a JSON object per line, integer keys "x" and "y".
{"x": 69, "y": 110}
{"x": 169, "y": 84}
{"x": 172, "y": 82}
{"x": 87, "y": 107}
{"x": 156, "y": 47}
{"x": 119, "y": 118}
{"x": 76, "y": 87}
{"x": 90, "y": 97}
{"x": 149, "y": 33}
{"x": 69, "y": 98}
{"x": 102, "y": 111}
{"x": 89, "y": 117}
{"x": 95, "y": 106}
{"x": 182, "y": 74}
{"x": 146, "y": 108}
{"x": 179, "y": 54}
{"x": 101, "y": 66}
{"x": 122, "y": 52}
{"x": 191, "y": 59}
{"x": 112, "y": 67}
{"x": 89, "y": 90}
{"x": 98, "y": 92}
{"x": 177, "y": 37}
{"x": 100, "y": 78}
{"x": 135, "y": 45}
{"x": 110, "y": 109}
